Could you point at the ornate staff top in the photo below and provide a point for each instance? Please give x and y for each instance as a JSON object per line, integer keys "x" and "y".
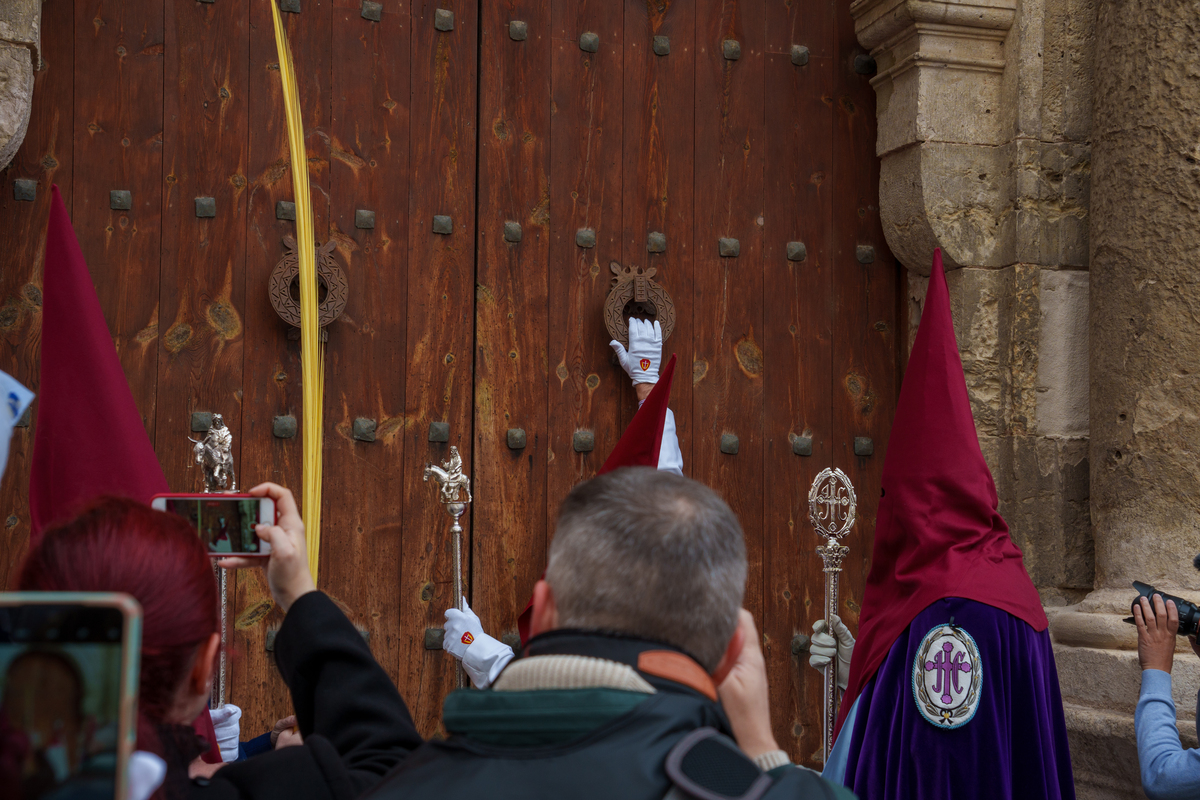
{"x": 214, "y": 454}
{"x": 451, "y": 479}
{"x": 832, "y": 504}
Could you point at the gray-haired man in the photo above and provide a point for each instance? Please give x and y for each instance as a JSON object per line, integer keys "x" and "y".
{"x": 635, "y": 626}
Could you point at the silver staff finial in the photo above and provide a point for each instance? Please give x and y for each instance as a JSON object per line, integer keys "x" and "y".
{"x": 832, "y": 509}
{"x": 454, "y": 483}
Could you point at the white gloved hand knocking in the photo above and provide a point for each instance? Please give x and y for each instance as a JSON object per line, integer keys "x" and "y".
{"x": 642, "y": 359}
{"x": 824, "y": 647}
{"x": 482, "y": 656}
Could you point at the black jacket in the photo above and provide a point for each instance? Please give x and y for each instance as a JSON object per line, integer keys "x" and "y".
{"x": 586, "y": 743}
{"x": 355, "y": 725}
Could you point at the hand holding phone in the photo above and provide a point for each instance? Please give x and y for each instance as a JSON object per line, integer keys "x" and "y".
{"x": 225, "y": 522}
{"x": 287, "y": 570}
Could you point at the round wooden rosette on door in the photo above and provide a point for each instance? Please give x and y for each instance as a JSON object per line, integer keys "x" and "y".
{"x": 633, "y": 293}
{"x": 284, "y": 289}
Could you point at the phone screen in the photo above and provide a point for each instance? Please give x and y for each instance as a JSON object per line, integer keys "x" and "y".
{"x": 60, "y": 709}
{"x": 226, "y": 524}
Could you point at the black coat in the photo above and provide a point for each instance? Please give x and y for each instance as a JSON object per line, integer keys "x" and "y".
{"x": 356, "y": 727}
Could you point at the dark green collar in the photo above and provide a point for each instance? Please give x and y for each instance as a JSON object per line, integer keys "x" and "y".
{"x": 534, "y": 718}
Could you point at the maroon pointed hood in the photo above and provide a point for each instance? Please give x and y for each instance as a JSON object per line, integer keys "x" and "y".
{"x": 89, "y": 440}
{"x": 938, "y": 533}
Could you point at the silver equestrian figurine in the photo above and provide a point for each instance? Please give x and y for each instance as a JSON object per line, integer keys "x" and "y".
{"x": 453, "y": 485}
{"x": 214, "y": 454}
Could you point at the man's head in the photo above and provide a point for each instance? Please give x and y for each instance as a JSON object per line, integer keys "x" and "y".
{"x": 649, "y": 554}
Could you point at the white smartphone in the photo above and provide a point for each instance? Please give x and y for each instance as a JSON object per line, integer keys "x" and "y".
{"x": 225, "y": 522}
{"x": 68, "y": 693}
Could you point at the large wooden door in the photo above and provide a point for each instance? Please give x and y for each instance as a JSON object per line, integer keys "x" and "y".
{"x": 745, "y": 119}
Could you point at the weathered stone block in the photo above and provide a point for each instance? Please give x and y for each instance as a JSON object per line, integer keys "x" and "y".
{"x": 16, "y": 97}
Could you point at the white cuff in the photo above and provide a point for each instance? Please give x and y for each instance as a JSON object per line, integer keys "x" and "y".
{"x": 772, "y": 759}
{"x": 485, "y": 659}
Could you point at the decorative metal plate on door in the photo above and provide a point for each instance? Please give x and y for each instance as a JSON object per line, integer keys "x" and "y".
{"x": 633, "y": 293}
{"x": 284, "y": 289}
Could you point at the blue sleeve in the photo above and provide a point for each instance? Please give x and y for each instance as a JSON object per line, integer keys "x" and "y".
{"x": 1168, "y": 771}
{"x": 839, "y": 756}
{"x": 259, "y": 744}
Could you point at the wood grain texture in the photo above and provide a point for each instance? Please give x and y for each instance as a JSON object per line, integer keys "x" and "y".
{"x": 797, "y": 346}
{"x": 511, "y": 309}
{"x": 46, "y": 156}
{"x": 586, "y": 390}
{"x": 439, "y": 338}
{"x": 364, "y": 362}
{"x": 202, "y": 286}
{"x": 119, "y": 107}
{"x": 865, "y": 349}
{"x": 729, "y": 366}
{"x": 271, "y": 361}
{"x": 658, "y": 178}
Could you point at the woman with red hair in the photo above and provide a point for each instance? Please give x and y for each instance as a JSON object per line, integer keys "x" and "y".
{"x": 354, "y": 724}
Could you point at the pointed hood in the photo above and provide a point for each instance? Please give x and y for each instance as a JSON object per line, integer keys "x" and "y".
{"x": 641, "y": 442}
{"x": 89, "y": 440}
{"x": 938, "y": 533}
{"x": 638, "y": 446}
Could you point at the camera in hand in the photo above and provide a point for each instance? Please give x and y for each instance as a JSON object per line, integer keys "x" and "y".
{"x": 1189, "y": 613}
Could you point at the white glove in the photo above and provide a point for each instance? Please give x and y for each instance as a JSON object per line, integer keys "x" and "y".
{"x": 482, "y": 656}
{"x": 824, "y": 647}
{"x": 144, "y": 774}
{"x": 228, "y": 729}
{"x": 644, "y": 356}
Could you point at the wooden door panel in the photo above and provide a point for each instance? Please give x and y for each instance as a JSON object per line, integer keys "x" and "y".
{"x": 798, "y": 303}
{"x": 658, "y": 178}
{"x": 511, "y": 312}
{"x": 439, "y": 338}
{"x": 466, "y": 328}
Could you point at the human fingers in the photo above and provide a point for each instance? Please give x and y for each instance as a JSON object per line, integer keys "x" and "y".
{"x": 286, "y": 510}
{"x": 1160, "y": 612}
{"x": 619, "y": 349}
{"x": 239, "y": 562}
{"x": 1139, "y": 619}
{"x": 286, "y": 723}
{"x": 820, "y": 626}
{"x": 658, "y": 337}
{"x": 819, "y": 661}
{"x": 1172, "y": 618}
{"x": 823, "y": 641}
{"x": 1147, "y": 613}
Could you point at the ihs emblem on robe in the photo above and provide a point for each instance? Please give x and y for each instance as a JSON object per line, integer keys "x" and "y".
{"x": 947, "y": 677}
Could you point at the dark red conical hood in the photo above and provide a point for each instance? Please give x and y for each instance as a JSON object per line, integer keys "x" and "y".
{"x": 937, "y": 533}
{"x": 89, "y": 440}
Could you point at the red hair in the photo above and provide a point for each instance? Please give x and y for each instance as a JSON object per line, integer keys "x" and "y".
{"x": 119, "y": 545}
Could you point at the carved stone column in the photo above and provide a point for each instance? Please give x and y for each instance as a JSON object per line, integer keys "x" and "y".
{"x": 1145, "y": 371}
{"x": 20, "y": 39}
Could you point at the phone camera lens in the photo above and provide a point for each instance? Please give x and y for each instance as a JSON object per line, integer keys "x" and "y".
{"x": 82, "y": 634}
{"x": 52, "y": 633}
{"x": 114, "y": 634}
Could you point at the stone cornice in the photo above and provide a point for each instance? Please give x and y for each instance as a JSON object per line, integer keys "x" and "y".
{"x": 877, "y": 21}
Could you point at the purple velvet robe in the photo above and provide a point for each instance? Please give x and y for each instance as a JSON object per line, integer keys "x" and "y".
{"x": 1015, "y": 747}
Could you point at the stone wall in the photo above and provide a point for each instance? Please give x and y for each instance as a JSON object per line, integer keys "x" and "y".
{"x": 984, "y": 124}
{"x": 20, "y": 39}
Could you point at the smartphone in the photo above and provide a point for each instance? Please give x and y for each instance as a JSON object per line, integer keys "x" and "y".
{"x": 68, "y": 693}
{"x": 225, "y": 521}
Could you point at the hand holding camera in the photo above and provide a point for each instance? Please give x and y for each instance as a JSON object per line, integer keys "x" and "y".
{"x": 287, "y": 568}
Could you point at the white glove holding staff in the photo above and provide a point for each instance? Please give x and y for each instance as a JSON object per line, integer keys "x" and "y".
{"x": 482, "y": 656}
{"x": 644, "y": 356}
{"x": 825, "y": 648}
{"x": 226, "y": 725}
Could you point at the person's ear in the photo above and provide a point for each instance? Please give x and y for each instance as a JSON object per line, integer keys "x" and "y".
{"x": 545, "y": 612}
{"x": 200, "y": 681}
{"x": 732, "y": 652}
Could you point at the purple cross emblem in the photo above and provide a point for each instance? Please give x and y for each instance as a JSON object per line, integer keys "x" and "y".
{"x": 947, "y": 669}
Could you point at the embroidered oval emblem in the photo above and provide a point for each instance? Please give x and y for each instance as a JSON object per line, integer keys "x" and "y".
{"x": 645, "y": 364}
{"x": 947, "y": 677}
{"x": 467, "y": 638}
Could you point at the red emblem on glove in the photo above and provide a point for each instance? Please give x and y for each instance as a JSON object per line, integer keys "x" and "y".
{"x": 467, "y": 638}
{"x": 645, "y": 362}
